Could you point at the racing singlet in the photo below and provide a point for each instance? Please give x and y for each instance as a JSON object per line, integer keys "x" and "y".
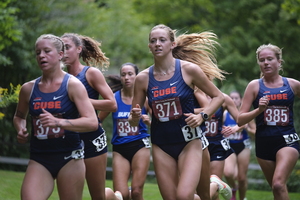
{"x": 237, "y": 137}
{"x": 169, "y": 100}
{"x": 122, "y": 131}
{"x": 98, "y": 137}
{"x": 214, "y": 126}
{"x": 277, "y": 119}
{"x": 45, "y": 139}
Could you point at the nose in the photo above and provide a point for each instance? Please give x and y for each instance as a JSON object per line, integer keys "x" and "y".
{"x": 157, "y": 43}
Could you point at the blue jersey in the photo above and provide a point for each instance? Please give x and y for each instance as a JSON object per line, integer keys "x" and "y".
{"x": 94, "y": 141}
{"x": 237, "y": 137}
{"x": 92, "y": 93}
{"x": 214, "y": 126}
{"x": 169, "y": 100}
{"x": 122, "y": 131}
{"x": 277, "y": 119}
{"x": 58, "y": 103}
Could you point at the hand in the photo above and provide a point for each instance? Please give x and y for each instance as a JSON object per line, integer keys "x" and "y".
{"x": 263, "y": 103}
{"x": 22, "y": 136}
{"x": 48, "y": 120}
{"x": 146, "y": 119}
{"x": 228, "y": 130}
{"x": 136, "y": 113}
{"x": 193, "y": 120}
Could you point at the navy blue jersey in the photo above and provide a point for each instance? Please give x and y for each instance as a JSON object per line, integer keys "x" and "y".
{"x": 58, "y": 103}
{"x": 122, "y": 131}
{"x": 277, "y": 119}
{"x": 236, "y": 137}
{"x": 169, "y": 100}
{"x": 214, "y": 126}
{"x": 92, "y": 93}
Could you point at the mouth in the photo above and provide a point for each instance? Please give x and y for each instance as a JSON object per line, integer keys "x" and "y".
{"x": 43, "y": 62}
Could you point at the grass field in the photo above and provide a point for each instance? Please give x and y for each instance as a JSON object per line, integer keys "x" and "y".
{"x": 10, "y": 184}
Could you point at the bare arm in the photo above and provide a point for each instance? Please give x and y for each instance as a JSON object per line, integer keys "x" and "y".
{"x": 251, "y": 127}
{"x": 295, "y": 85}
{"x": 102, "y": 115}
{"x": 139, "y": 97}
{"x": 98, "y": 82}
{"x": 21, "y": 113}
{"x": 194, "y": 76}
{"x": 86, "y": 122}
{"x": 202, "y": 100}
{"x": 251, "y": 92}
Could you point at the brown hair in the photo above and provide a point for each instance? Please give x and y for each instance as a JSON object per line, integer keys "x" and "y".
{"x": 91, "y": 53}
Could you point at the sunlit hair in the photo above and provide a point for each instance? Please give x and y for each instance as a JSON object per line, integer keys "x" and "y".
{"x": 56, "y": 41}
{"x": 91, "y": 53}
{"x": 198, "y": 48}
{"x": 114, "y": 81}
{"x": 277, "y": 51}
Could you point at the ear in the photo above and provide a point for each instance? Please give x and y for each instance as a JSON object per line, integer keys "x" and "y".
{"x": 61, "y": 55}
{"x": 79, "y": 49}
{"x": 173, "y": 45}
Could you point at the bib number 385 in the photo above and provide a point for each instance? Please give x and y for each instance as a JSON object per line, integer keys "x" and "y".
{"x": 276, "y": 116}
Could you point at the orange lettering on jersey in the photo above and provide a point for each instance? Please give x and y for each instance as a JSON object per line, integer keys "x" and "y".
{"x": 277, "y": 96}
{"x": 47, "y": 105}
{"x": 163, "y": 92}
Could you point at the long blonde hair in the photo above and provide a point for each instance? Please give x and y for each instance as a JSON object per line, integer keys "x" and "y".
{"x": 198, "y": 48}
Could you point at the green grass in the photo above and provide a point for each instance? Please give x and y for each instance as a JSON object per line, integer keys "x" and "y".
{"x": 10, "y": 184}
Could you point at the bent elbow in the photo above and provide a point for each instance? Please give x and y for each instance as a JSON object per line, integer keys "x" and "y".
{"x": 114, "y": 108}
{"x": 94, "y": 124}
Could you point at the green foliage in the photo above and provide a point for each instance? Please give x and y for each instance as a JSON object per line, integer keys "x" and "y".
{"x": 7, "y": 97}
{"x": 9, "y": 32}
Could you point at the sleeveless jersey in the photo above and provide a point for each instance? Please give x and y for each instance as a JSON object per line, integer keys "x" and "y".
{"x": 97, "y": 137}
{"x": 277, "y": 119}
{"x": 214, "y": 126}
{"x": 237, "y": 137}
{"x": 169, "y": 100}
{"x": 122, "y": 131}
{"x": 92, "y": 93}
{"x": 58, "y": 103}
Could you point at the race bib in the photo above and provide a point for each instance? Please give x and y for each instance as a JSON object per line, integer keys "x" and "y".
{"x": 277, "y": 116}
{"x": 190, "y": 133}
{"x": 44, "y": 133}
{"x": 225, "y": 144}
{"x": 146, "y": 142}
{"x": 290, "y": 138}
{"x": 204, "y": 141}
{"x": 167, "y": 109}
{"x": 211, "y": 128}
{"x": 124, "y": 128}
{"x": 100, "y": 142}
{"x": 235, "y": 136}
{"x": 247, "y": 143}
